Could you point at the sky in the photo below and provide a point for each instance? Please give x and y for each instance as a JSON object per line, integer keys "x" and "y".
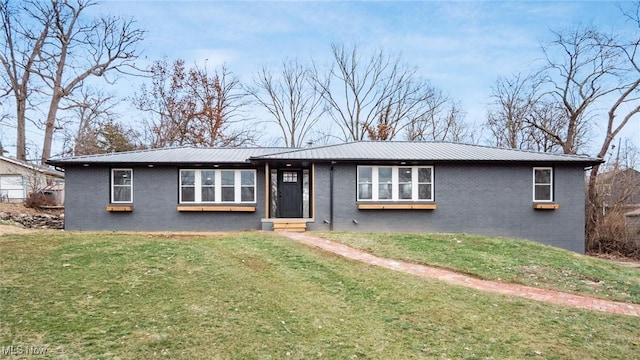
{"x": 462, "y": 47}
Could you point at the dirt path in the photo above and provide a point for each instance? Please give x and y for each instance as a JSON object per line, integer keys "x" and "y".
{"x": 13, "y": 229}
{"x": 527, "y": 292}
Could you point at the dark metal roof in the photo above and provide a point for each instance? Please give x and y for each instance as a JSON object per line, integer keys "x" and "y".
{"x": 421, "y": 151}
{"x": 178, "y": 155}
{"x": 356, "y": 151}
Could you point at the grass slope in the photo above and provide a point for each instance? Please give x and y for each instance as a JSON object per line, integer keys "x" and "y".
{"x": 508, "y": 260}
{"x": 259, "y": 296}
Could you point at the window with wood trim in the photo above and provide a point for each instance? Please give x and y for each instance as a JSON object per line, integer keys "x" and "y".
{"x": 208, "y": 186}
{"x": 542, "y": 184}
{"x": 395, "y": 183}
{"x": 121, "y": 186}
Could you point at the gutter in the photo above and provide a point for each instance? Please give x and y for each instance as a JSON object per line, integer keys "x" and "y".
{"x": 331, "y": 196}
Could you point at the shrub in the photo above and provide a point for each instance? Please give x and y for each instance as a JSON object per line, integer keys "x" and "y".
{"x": 39, "y": 199}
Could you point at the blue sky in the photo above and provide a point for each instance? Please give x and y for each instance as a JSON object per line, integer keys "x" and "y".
{"x": 462, "y": 46}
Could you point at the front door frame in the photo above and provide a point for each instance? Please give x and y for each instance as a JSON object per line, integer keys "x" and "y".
{"x": 289, "y": 200}
{"x": 273, "y": 202}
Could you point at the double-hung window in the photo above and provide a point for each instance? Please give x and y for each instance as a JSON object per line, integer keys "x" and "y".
{"x": 395, "y": 183}
{"x": 217, "y": 186}
{"x": 542, "y": 184}
{"x": 121, "y": 186}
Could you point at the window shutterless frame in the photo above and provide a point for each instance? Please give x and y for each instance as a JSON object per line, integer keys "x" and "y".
{"x": 395, "y": 183}
{"x": 217, "y": 186}
{"x": 542, "y": 184}
{"x": 121, "y": 186}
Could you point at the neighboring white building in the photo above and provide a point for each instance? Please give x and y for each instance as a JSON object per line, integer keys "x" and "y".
{"x": 19, "y": 178}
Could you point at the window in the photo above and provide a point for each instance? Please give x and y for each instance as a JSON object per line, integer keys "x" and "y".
{"x": 121, "y": 185}
{"x": 290, "y": 176}
{"x": 217, "y": 186}
{"x": 543, "y": 184}
{"x": 393, "y": 183}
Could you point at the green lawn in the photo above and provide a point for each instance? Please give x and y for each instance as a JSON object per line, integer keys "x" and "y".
{"x": 255, "y": 295}
{"x": 515, "y": 261}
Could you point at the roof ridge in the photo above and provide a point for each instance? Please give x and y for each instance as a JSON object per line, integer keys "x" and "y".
{"x": 474, "y": 145}
{"x": 92, "y": 156}
{"x": 300, "y": 149}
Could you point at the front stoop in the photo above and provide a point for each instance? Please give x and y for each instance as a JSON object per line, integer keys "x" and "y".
{"x": 290, "y": 225}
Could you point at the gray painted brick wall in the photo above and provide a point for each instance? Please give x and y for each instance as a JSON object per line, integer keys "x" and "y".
{"x": 155, "y": 198}
{"x": 483, "y": 199}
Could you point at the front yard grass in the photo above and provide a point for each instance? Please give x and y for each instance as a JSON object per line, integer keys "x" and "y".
{"x": 508, "y": 260}
{"x": 255, "y": 295}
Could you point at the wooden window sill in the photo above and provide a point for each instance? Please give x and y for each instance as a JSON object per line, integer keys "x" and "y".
{"x": 227, "y": 208}
{"x": 391, "y": 206}
{"x": 546, "y": 206}
{"x": 119, "y": 208}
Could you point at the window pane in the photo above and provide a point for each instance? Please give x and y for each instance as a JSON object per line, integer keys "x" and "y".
{"x": 187, "y": 177}
{"x": 543, "y": 176}
{"x": 384, "y": 191}
{"x": 121, "y": 177}
{"x": 228, "y": 177}
{"x": 404, "y": 183}
{"x": 208, "y": 194}
{"x": 188, "y": 194}
{"x": 122, "y": 194}
{"x": 364, "y": 174}
{"x": 228, "y": 194}
{"x": 424, "y": 191}
{"x": 424, "y": 175}
{"x": 365, "y": 186}
{"x": 247, "y": 178}
{"x": 404, "y": 191}
{"x": 543, "y": 192}
{"x": 290, "y": 177}
{"x": 364, "y": 191}
{"x": 208, "y": 178}
{"x": 247, "y": 193}
{"x": 404, "y": 175}
{"x": 385, "y": 186}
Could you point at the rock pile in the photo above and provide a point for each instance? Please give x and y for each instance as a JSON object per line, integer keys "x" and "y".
{"x": 35, "y": 221}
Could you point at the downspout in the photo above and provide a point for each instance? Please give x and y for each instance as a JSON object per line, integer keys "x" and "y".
{"x": 331, "y": 196}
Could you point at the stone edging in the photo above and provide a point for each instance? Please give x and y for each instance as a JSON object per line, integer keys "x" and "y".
{"x": 35, "y": 221}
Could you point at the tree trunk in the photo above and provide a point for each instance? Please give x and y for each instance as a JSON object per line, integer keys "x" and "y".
{"x": 50, "y": 127}
{"x": 21, "y": 143}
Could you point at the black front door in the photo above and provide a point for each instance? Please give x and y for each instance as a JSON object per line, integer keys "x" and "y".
{"x": 289, "y": 194}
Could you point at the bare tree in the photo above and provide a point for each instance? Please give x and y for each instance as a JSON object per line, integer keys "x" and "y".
{"x": 519, "y": 111}
{"x": 89, "y": 112}
{"x": 56, "y": 43}
{"x": 586, "y": 70}
{"x": 191, "y": 107}
{"x": 19, "y": 56}
{"x": 290, "y": 99}
{"x": 441, "y": 120}
{"x": 624, "y": 107}
{"x": 372, "y": 98}
{"x": 618, "y": 189}
{"x": 581, "y": 71}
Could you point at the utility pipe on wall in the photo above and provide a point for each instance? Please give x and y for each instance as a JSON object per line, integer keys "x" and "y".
{"x": 331, "y": 196}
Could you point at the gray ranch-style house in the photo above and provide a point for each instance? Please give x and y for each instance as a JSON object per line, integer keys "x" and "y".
{"x": 358, "y": 186}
